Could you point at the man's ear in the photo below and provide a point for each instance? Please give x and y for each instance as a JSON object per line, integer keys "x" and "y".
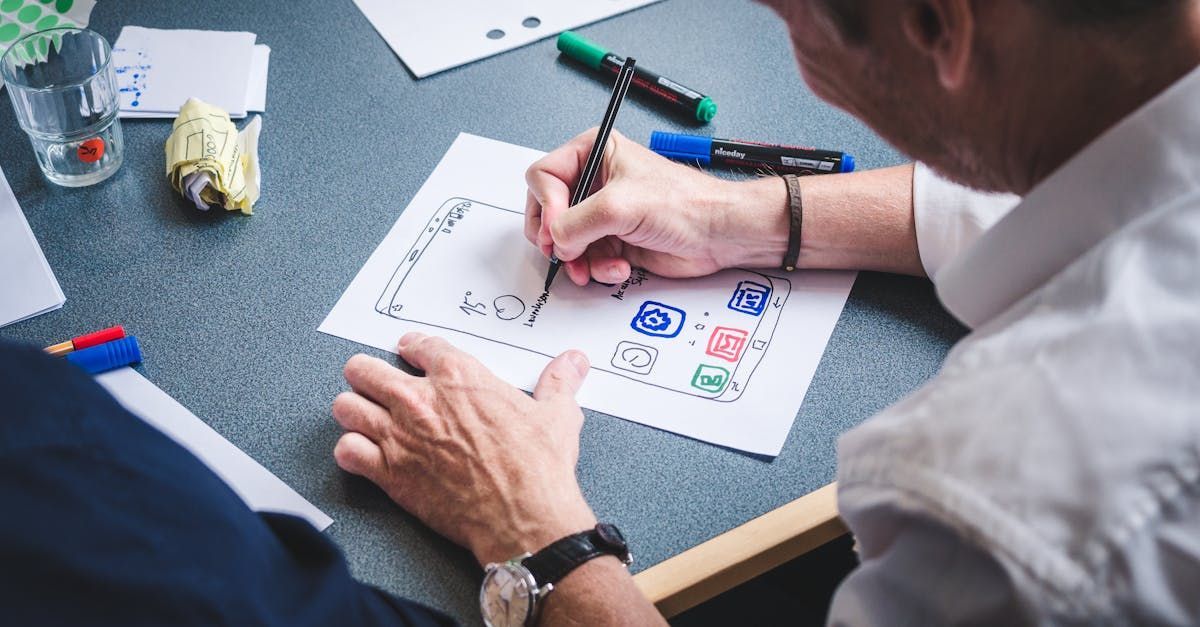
{"x": 945, "y": 31}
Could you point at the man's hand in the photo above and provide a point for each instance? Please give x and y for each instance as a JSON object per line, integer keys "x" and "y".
{"x": 473, "y": 457}
{"x": 651, "y": 213}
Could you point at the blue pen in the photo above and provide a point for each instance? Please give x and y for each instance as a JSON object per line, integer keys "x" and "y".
{"x": 728, "y": 153}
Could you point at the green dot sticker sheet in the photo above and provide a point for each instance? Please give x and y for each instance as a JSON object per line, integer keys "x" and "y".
{"x": 22, "y": 17}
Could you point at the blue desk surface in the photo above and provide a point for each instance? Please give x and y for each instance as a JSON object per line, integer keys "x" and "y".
{"x": 227, "y": 306}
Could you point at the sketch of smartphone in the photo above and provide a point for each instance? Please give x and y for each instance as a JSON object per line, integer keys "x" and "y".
{"x": 471, "y": 271}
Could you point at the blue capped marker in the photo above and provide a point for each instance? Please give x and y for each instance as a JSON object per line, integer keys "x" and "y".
{"x": 107, "y": 356}
{"x": 728, "y": 153}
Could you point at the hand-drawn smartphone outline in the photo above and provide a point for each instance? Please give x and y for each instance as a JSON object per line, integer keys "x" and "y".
{"x": 739, "y": 379}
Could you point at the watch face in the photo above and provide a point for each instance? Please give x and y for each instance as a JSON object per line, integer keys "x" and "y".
{"x": 507, "y": 596}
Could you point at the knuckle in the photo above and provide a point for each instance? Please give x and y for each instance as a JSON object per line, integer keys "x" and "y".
{"x": 608, "y": 210}
{"x": 400, "y": 393}
{"x": 531, "y": 173}
{"x": 439, "y": 353}
{"x": 445, "y": 363}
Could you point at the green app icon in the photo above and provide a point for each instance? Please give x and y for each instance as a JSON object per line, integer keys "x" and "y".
{"x": 711, "y": 379}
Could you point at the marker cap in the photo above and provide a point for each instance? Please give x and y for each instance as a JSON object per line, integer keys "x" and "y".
{"x": 691, "y": 148}
{"x": 847, "y": 163}
{"x": 581, "y": 49}
{"x": 104, "y": 357}
{"x": 99, "y": 337}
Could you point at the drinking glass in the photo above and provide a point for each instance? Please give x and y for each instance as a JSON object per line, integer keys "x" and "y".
{"x": 64, "y": 91}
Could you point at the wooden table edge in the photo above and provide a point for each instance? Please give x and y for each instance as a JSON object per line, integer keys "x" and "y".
{"x": 742, "y": 553}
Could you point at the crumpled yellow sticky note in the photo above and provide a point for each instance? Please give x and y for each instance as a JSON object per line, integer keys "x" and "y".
{"x": 210, "y": 162}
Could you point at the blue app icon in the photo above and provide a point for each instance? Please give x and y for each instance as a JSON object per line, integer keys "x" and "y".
{"x": 658, "y": 320}
{"x": 750, "y": 298}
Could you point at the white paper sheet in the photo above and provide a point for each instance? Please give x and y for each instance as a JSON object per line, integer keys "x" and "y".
{"x": 434, "y": 36}
{"x": 27, "y": 284}
{"x": 256, "y": 85}
{"x": 158, "y": 70}
{"x": 725, "y": 359}
{"x": 261, "y": 490}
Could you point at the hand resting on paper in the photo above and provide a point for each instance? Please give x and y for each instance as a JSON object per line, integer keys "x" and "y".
{"x": 650, "y": 213}
{"x": 473, "y": 457}
{"x": 484, "y": 464}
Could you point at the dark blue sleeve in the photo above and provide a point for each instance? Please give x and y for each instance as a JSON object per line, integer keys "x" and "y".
{"x": 105, "y": 521}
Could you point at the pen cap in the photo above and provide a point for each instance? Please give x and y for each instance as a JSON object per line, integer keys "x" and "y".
{"x": 99, "y": 337}
{"x": 581, "y": 49}
{"x": 104, "y": 357}
{"x": 682, "y": 147}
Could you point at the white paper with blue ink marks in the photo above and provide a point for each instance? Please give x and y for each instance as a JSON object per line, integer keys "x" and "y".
{"x": 725, "y": 359}
{"x": 158, "y": 70}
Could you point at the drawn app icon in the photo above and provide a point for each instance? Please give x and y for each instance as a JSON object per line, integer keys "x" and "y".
{"x": 750, "y": 298}
{"x": 634, "y": 357}
{"x": 658, "y": 320}
{"x": 710, "y": 379}
{"x": 727, "y": 343}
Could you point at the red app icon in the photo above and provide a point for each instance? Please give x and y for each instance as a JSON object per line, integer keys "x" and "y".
{"x": 727, "y": 343}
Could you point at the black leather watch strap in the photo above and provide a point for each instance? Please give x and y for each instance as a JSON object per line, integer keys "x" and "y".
{"x": 554, "y": 562}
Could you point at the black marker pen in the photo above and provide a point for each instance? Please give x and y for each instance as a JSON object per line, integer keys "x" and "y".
{"x": 688, "y": 101}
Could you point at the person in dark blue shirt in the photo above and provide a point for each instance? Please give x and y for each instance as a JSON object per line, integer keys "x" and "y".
{"x": 106, "y": 521}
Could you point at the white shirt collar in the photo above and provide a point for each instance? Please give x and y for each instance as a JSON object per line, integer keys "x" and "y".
{"x": 1144, "y": 162}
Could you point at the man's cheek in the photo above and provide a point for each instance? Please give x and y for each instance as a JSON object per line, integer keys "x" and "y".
{"x": 822, "y": 85}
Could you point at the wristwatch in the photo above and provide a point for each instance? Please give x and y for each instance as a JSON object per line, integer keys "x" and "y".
{"x": 512, "y": 592}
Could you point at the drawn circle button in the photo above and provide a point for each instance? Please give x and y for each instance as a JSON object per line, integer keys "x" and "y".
{"x": 637, "y": 357}
{"x": 91, "y": 150}
{"x": 634, "y": 357}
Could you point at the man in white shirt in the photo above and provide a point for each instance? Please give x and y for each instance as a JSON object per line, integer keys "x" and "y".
{"x": 1050, "y": 473}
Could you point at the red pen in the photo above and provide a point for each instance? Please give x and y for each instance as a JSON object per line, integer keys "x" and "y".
{"x": 84, "y": 341}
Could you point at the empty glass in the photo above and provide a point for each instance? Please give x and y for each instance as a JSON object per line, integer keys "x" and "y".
{"x": 64, "y": 91}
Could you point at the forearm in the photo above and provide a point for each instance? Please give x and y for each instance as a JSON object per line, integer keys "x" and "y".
{"x": 859, "y": 221}
{"x": 600, "y": 592}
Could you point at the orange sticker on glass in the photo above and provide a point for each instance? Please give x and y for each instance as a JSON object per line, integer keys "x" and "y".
{"x": 91, "y": 150}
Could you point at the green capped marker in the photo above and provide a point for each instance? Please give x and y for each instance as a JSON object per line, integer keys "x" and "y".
{"x": 681, "y": 98}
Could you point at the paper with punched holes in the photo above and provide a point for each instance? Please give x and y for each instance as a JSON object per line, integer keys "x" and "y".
{"x": 726, "y": 359}
{"x": 434, "y": 36}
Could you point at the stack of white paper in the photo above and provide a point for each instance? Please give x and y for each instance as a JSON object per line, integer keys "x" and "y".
{"x": 27, "y": 285}
{"x": 158, "y": 70}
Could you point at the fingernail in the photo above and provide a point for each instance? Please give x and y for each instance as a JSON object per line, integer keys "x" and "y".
{"x": 580, "y": 361}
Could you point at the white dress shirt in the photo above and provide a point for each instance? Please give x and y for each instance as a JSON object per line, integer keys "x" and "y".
{"x": 1050, "y": 472}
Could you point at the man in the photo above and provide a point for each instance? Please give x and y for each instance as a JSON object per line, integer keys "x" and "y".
{"x": 1050, "y": 473}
